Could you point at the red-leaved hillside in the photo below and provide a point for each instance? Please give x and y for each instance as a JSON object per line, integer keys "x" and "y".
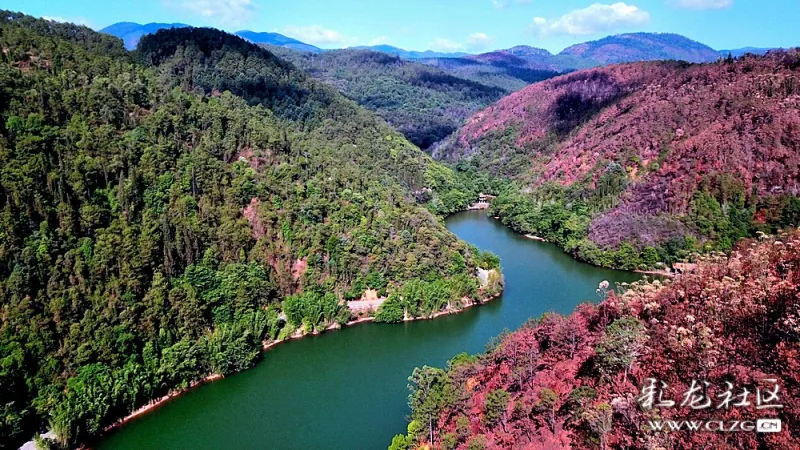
{"x": 671, "y": 126}
{"x": 580, "y": 381}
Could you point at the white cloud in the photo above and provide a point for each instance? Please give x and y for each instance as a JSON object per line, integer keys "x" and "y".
{"x": 76, "y": 20}
{"x": 702, "y": 4}
{"x": 317, "y": 35}
{"x": 445, "y": 45}
{"x": 479, "y": 41}
{"x": 224, "y": 12}
{"x": 501, "y": 4}
{"x": 380, "y": 40}
{"x": 596, "y": 18}
{"x": 475, "y": 41}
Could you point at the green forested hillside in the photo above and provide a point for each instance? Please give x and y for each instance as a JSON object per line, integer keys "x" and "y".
{"x": 159, "y": 211}
{"x": 424, "y": 103}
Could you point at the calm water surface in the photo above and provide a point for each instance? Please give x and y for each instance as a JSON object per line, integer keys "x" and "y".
{"x": 347, "y": 389}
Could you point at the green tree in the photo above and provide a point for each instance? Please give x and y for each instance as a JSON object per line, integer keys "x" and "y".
{"x": 621, "y": 344}
{"x": 429, "y": 395}
{"x": 477, "y": 443}
{"x": 399, "y": 442}
{"x": 495, "y": 406}
{"x": 390, "y": 311}
{"x": 548, "y": 401}
{"x": 600, "y": 421}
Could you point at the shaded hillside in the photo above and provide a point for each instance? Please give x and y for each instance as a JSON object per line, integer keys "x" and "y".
{"x": 532, "y": 59}
{"x": 642, "y": 47}
{"x": 498, "y": 69}
{"x": 423, "y": 103}
{"x": 663, "y": 155}
{"x": 162, "y": 214}
{"x": 577, "y": 382}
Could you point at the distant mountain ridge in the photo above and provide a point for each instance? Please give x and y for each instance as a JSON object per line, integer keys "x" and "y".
{"x": 508, "y": 69}
{"x": 736, "y": 52}
{"x": 616, "y": 49}
{"x": 514, "y": 68}
{"x": 277, "y": 40}
{"x": 410, "y": 54}
{"x": 131, "y": 32}
{"x": 629, "y": 47}
{"x": 632, "y": 47}
{"x": 527, "y": 50}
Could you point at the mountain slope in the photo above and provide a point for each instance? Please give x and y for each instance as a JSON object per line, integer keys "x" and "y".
{"x": 578, "y": 382}
{"x": 165, "y": 213}
{"x": 497, "y": 69}
{"x": 131, "y": 32}
{"x": 663, "y": 155}
{"x": 422, "y": 102}
{"x": 642, "y": 47}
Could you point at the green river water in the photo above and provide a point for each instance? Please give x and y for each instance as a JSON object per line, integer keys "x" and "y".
{"x": 347, "y": 389}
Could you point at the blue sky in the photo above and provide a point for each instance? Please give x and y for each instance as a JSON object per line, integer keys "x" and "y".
{"x": 452, "y": 25}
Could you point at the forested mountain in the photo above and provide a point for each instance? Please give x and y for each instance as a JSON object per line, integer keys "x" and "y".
{"x": 163, "y": 213}
{"x": 422, "y": 102}
{"x": 636, "y": 164}
{"x": 579, "y": 382}
{"x": 642, "y": 47}
{"x": 131, "y": 32}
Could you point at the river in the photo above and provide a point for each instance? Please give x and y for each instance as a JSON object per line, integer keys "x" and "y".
{"x": 347, "y": 389}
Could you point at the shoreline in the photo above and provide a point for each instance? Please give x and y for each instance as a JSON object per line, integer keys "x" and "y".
{"x": 535, "y": 238}
{"x": 153, "y": 404}
{"x": 661, "y": 273}
{"x": 160, "y": 401}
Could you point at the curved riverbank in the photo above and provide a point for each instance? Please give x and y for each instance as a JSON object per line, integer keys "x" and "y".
{"x": 160, "y": 401}
{"x": 152, "y": 405}
{"x": 348, "y": 389}
{"x": 533, "y": 237}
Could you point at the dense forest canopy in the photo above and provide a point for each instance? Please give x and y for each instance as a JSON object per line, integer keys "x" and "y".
{"x": 424, "y": 103}
{"x": 163, "y": 213}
